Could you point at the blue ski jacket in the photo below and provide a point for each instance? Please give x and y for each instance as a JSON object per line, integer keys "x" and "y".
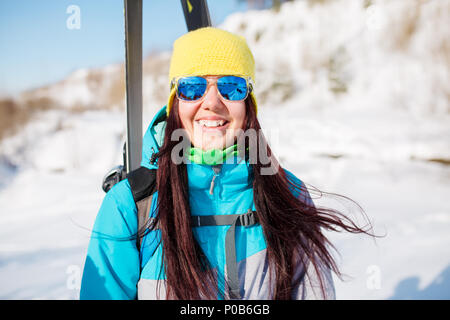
{"x": 115, "y": 269}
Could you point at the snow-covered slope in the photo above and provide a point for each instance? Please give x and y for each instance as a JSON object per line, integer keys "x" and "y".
{"x": 358, "y": 54}
{"x": 354, "y": 98}
{"x": 101, "y": 88}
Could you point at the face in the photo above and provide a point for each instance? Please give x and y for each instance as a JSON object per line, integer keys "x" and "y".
{"x": 212, "y": 122}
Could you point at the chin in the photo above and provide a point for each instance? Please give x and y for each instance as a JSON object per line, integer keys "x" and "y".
{"x": 214, "y": 146}
{"x": 211, "y": 145}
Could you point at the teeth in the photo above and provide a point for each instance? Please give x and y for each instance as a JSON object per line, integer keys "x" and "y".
{"x": 211, "y": 123}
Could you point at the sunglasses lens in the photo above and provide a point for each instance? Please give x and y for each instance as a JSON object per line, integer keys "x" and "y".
{"x": 191, "y": 88}
{"x": 232, "y": 88}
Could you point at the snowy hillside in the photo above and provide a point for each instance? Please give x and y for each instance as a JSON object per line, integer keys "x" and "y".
{"x": 358, "y": 54}
{"x": 102, "y": 88}
{"x": 355, "y": 99}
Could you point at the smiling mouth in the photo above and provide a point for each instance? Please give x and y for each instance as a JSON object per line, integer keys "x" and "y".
{"x": 212, "y": 124}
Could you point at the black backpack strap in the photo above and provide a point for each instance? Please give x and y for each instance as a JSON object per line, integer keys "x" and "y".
{"x": 247, "y": 219}
{"x": 142, "y": 182}
{"x": 143, "y": 185}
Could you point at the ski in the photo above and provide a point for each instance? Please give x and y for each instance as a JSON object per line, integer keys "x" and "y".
{"x": 133, "y": 71}
{"x": 196, "y": 14}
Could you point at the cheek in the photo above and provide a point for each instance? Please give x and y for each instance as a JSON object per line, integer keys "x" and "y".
{"x": 238, "y": 114}
{"x": 186, "y": 113}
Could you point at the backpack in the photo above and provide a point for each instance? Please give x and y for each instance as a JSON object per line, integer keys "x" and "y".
{"x": 143, "y": 186}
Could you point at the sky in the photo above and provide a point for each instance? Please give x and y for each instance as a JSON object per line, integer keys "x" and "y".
{"x": 37, "y": 47}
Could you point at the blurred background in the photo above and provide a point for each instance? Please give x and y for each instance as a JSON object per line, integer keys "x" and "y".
{"x": 354, "y": 97}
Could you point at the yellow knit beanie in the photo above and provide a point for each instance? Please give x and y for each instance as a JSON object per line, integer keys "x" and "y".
{"x": 210, "y": 51}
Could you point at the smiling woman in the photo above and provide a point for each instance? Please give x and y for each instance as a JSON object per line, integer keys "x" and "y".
{"x": 217, "y": 229}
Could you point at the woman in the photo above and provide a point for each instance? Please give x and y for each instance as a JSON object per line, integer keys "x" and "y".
{"x": 227, "y": 222}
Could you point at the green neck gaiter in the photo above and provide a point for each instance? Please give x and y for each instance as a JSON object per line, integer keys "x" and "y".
{"x": 211, "y": 157}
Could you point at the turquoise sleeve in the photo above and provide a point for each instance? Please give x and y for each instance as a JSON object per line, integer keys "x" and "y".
{"x": 111, "y": 270}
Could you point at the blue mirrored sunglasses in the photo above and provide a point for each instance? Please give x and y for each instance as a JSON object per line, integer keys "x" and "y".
{"x": 232, "y": 88}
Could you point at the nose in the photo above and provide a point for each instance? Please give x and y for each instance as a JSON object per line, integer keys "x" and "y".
{"x": 212, "y": 100}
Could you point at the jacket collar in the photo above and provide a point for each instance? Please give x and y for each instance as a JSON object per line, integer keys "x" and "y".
{"x": 234, "y": 172}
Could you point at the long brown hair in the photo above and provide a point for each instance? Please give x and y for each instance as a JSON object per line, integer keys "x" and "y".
{"x": 293, "y": 227}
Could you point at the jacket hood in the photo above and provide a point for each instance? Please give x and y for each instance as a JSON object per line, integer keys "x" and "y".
{"x": 153, "y": 138}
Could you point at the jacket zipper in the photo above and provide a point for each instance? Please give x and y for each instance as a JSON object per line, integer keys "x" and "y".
{"x": 216, "y": 168}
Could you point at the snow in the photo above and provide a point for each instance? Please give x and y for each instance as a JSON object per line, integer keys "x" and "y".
{"x": 48, "y": 205}
{"x": 372, "y": 141}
